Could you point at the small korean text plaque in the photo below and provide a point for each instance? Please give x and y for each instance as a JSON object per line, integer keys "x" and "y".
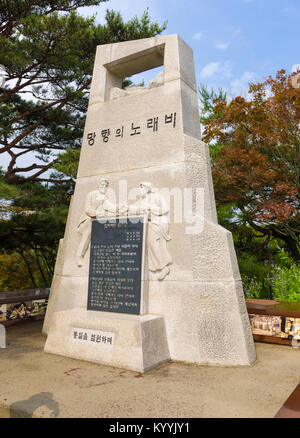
{"x": 93, "y": 337}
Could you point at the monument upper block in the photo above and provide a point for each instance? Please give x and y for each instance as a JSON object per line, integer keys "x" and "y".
{"x": 140, "y": 118}
{"x": 115, "y": 61}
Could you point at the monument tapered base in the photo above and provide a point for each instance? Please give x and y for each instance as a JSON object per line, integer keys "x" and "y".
{"x": 133, "y": 342}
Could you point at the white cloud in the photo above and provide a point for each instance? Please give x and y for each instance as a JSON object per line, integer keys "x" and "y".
{"x": 240, "y": 86}
{"x": 197, "y": 36}
{"x": 222, "y": 45}
{"x": 295, "y": 68}
{"x": 212, "y": 68}
{"x": 235, "y": 30}
{"x": 226, "y": 70}
{"x": 209, "y": 70}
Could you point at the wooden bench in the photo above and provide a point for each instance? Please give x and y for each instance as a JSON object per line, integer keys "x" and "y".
{"x": 22, "y": 305}
{"x": 275, "y": 322}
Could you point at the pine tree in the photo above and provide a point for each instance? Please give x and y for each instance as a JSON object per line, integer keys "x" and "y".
{"x": 48, "y": 52}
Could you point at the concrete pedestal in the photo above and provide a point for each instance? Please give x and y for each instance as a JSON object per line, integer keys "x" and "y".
{"x": 138, "y": 343}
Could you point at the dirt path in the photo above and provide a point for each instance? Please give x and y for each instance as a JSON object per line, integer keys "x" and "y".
{"x": 33, "y": 383}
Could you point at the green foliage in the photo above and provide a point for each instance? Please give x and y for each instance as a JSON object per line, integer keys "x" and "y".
{"x": 256, "y": 255}
{"x": 255, "y": 146}
{"x": 48, "y": 51}
{"x": 7, "y": 191}
{"x": 67, "y": 162}
{"x": 252, "y": 249}
{"x": 207, "y": 99}
{"x": 30, "y": 231}
{"x": 285, "y": 260}
{"x": 261, "y": 244}
{"x": 284, "y": 279}
{"x": 254, "y": 275}
{"x": 14, "y": 274}
{"x": 13, "y": 12}
{"x": 253, "y": 288}
{"x": 118, "y": 31}
{"x": 49, "y": 57}
{"x": 286, "y": 284}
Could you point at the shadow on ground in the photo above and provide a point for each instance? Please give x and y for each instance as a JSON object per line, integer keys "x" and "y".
{"x": 35, "y": 405}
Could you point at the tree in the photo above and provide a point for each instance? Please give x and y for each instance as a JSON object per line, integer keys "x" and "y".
{"x": 48, "y": 52}
{"x": 256, "y": 159}
{"x": 31, "y": 224}
{"x": 207, "y": 98}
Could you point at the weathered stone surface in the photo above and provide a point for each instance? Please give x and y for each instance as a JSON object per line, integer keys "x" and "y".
{"x": 201, "y": 299}
{"x": 116, "y": 93}
{"x": 140, "y": 342}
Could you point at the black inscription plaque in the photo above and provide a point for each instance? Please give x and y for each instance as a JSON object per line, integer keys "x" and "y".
{"x": 116, "y": 266}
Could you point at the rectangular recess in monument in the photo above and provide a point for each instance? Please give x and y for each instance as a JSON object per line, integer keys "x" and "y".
{"x": 137, "y": 62}
{"x": 116, "y": 265}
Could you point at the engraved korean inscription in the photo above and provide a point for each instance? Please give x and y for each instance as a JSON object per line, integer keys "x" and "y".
{"x": 128, "y": 130}
{"x": 115, "y": 266}
{"x": 93, "y": 337}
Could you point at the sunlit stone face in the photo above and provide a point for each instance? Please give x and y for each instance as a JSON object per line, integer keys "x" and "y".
{"x": 2, "y": 76}
{"x": 143, "y": 191}
{"x": 103, "y": 186}
{"x": 296, "y": 80}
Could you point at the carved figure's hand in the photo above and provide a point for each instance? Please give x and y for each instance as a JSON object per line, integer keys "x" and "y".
{"x": 123, "y": 209}
{"x": 100, "y": 212}
{"x": 134, "y": 208}
{"x": 156, "y": 210}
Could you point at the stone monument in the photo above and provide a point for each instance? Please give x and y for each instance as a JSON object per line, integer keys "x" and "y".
{"x": 142, "y": 278}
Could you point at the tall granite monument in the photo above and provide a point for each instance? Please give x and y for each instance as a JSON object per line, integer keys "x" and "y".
{"x": 136, "y": 283}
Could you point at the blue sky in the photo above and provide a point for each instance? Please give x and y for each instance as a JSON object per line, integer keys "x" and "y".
{"x": 234, "y": 41}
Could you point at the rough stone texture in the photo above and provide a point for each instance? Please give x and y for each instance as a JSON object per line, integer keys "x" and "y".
{"x": 201, "y": 299}
{"x": 140, "y": 341}
{"x": 193, "y": 334}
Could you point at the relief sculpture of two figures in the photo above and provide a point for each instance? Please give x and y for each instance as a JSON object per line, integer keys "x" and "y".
{"x": 150, "y": 204}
